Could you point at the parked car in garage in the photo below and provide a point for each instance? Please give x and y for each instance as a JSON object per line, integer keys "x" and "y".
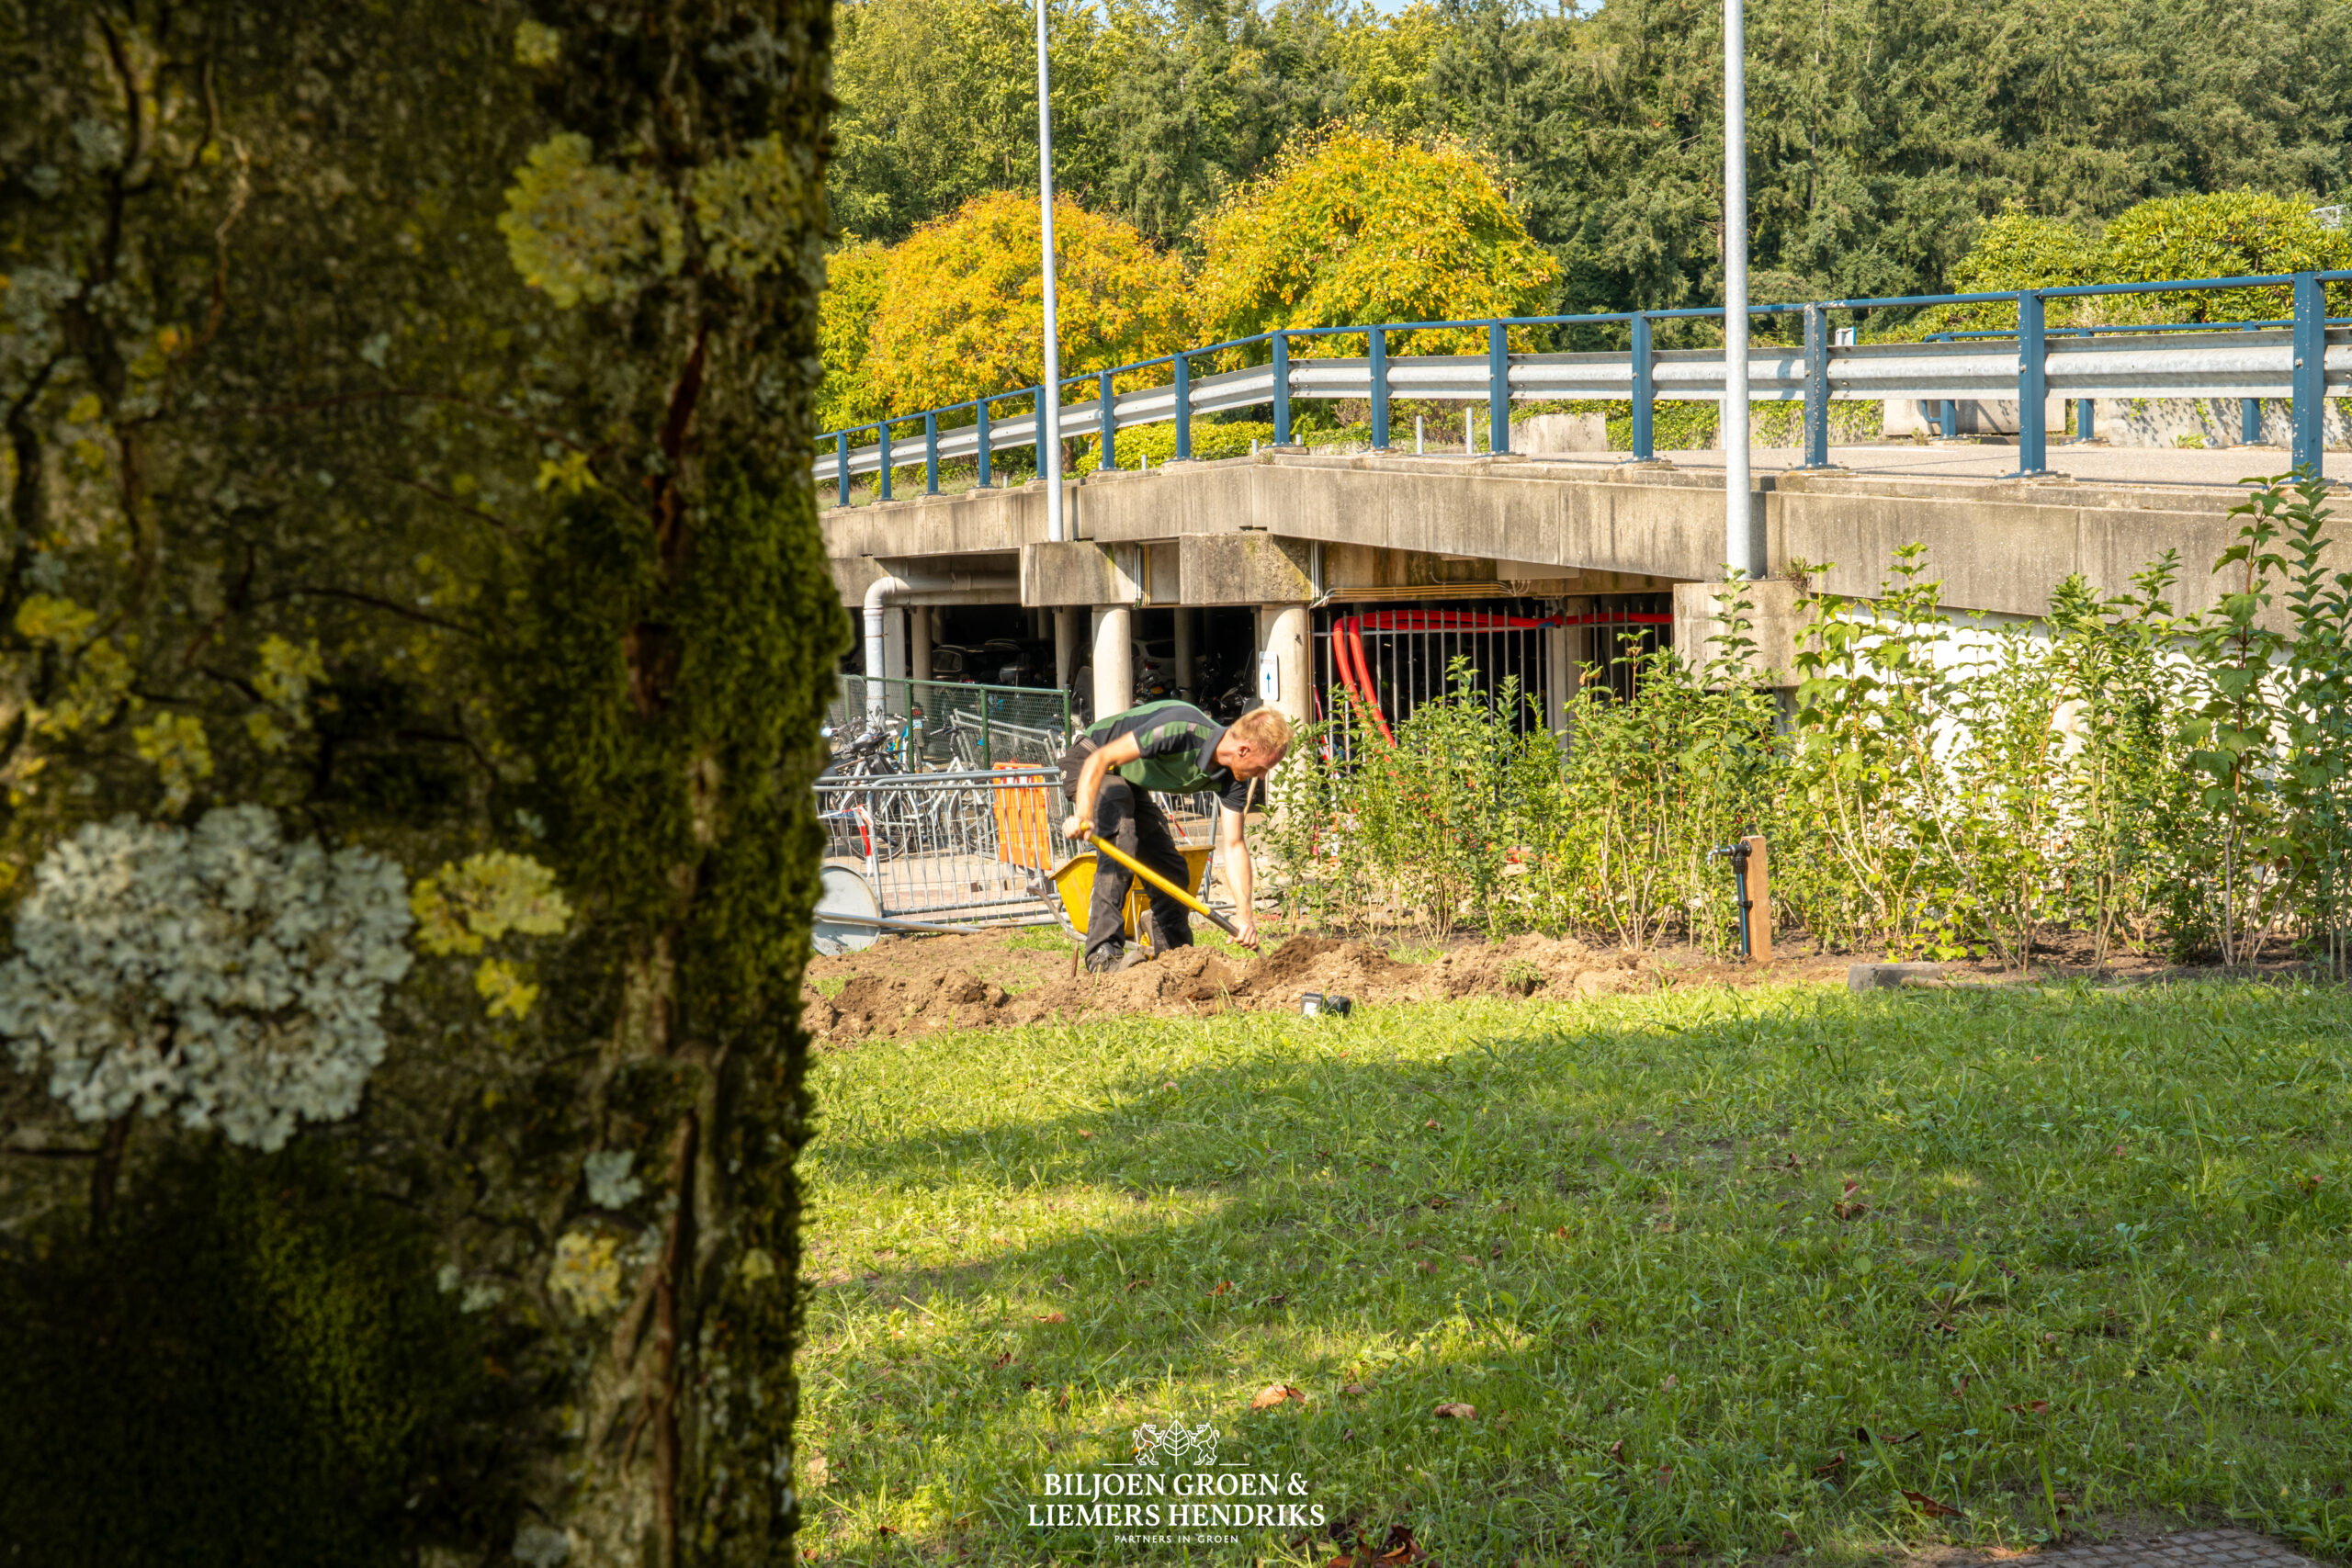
{"x": 1018, "y": 662}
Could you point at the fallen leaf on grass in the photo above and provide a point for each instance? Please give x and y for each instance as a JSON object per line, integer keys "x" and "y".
{"x": 1051, "y": 1317}
{"x": 1835, "y": 1462}
{"x": 2039, "y": 1407}
{"x": 1960, "y": 1387}
{"x": 1458, "y": 1412}
{"x": 1137, "y": 1284}
{"x": 1930, "y": 1507}
{"x": 1084, "y": 1133}
{"x": 1399, "y": 1551}
{"x": 1617, "y": 1450}
{"x": 886, "y": 1529}
{"x": 1862, "y": 1435}
{"x": 1430, "y": 1123}
{"x": 1002, "y": 1361}
{"x": 1427, "y": 1266}
{"x": 1678, "y": 1549}
{"x": 1221, "y": 1287}
{"x": 1274, "y": 1394}
{"x": 815, "y": 1473}
{"x": 1355, "y": 1388}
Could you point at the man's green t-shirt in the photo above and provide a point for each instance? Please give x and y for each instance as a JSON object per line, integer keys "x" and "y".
{"x": 1179, "y": 746}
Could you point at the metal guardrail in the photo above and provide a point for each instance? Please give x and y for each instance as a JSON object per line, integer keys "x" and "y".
{"x": 966, "y": 842}
{"x": 2301, "y": 361}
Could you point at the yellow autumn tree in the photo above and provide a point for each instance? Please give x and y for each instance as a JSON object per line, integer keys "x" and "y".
{"x": 1350, "y": 225}
{"x": 959, "y": 311}
{"x": 853, "y": 284}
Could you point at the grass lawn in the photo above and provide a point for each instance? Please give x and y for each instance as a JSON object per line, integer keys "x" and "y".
{"x": 1722, "y": 1274}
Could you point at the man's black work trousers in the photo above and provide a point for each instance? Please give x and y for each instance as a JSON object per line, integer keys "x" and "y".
{"x": 1133, "y": 821}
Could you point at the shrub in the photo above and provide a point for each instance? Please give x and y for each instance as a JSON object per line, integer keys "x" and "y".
{"x": 2147, "y": 778}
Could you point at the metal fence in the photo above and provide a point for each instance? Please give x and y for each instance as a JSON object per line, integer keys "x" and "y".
{"x": 1382, "y": 660}
{"x": 968, "y": 844}
{"x": 2301, "y": 363}
{"x": 955, "y": 724}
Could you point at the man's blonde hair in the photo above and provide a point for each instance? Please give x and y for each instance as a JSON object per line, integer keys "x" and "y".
{"x": 1265, "y": 728}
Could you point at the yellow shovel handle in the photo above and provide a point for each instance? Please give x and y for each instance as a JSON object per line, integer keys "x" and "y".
{"x": 1116, "y": 853}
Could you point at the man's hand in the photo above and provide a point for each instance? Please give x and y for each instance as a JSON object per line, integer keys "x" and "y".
{"x": 1246, "y": 920}
{"x": 1077, "y": 827}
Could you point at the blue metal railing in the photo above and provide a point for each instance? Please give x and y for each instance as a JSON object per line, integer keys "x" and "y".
{"x": 2249, "y": 408}
{"x": 1499, "y": 375}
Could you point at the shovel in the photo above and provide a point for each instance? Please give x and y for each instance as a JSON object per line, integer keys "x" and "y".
{"x": 1122, "y": 858}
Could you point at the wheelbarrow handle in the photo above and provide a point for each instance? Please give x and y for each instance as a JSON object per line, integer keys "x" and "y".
{"x": 1122, "y": 858}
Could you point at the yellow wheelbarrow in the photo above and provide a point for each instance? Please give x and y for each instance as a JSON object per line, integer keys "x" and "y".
{"x": 1068, "y": 888}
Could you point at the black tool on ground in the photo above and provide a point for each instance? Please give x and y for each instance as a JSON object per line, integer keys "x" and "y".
{"x": 1737, "y": 854}
{"x": 1315, "y": 1004}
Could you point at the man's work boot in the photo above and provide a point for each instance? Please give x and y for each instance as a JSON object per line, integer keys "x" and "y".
{"x": 1107, "y": 959}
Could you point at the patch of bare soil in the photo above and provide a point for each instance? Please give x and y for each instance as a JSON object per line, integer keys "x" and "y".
{"x": 2074, "y": 955}
{"x": 902, "y": 986}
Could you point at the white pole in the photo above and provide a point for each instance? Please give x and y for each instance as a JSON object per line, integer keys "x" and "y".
{"x": 1733, "y": 422}
{"x": 1049, "y": 395}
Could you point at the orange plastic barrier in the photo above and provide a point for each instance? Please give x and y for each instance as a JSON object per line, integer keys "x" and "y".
{"x": 1025, "y": 818}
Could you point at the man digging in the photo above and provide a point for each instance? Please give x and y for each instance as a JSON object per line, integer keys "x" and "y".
{"x": 1170, "y": 748}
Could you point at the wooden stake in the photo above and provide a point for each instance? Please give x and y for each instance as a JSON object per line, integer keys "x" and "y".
{"x": 1759, "y": 898}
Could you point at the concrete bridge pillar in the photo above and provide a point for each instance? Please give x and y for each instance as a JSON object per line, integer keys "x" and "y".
{"x": 1065, "y": 648}
{"x": 1282, "y": 659}
{"x": 1561, "y": 675}
{"x": 920, "y": 664}
{"x": 1114, "y": 668}
{"x": 1185, "y": 621}
{"x": 894, "y": 646}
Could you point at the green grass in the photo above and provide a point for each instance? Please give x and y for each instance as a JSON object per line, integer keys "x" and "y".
{"x": 1611, "y": 1227}
{"x": 1040, "y": 939}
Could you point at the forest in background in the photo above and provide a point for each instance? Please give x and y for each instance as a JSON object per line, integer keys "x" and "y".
{"x": 1882, "y": 134}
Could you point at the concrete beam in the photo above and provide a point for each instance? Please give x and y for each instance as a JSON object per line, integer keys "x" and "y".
{"x": 962, "y": 580}
{"x": 1997, "y": 546}
{"x": 1701, "y": 623}
{"x": 2002, "y": 546}
{"x": 1076, "y": 572}
{"x": 1245, "y": 569}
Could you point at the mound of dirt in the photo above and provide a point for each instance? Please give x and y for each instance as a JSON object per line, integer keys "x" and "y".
{"x": 1524, "y": 965}
{"x": 1353, "y": 969}
{"x": 900, "y": 988}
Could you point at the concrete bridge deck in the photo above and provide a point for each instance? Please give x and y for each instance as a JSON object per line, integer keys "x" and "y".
{"x": 1291, "y": 527}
